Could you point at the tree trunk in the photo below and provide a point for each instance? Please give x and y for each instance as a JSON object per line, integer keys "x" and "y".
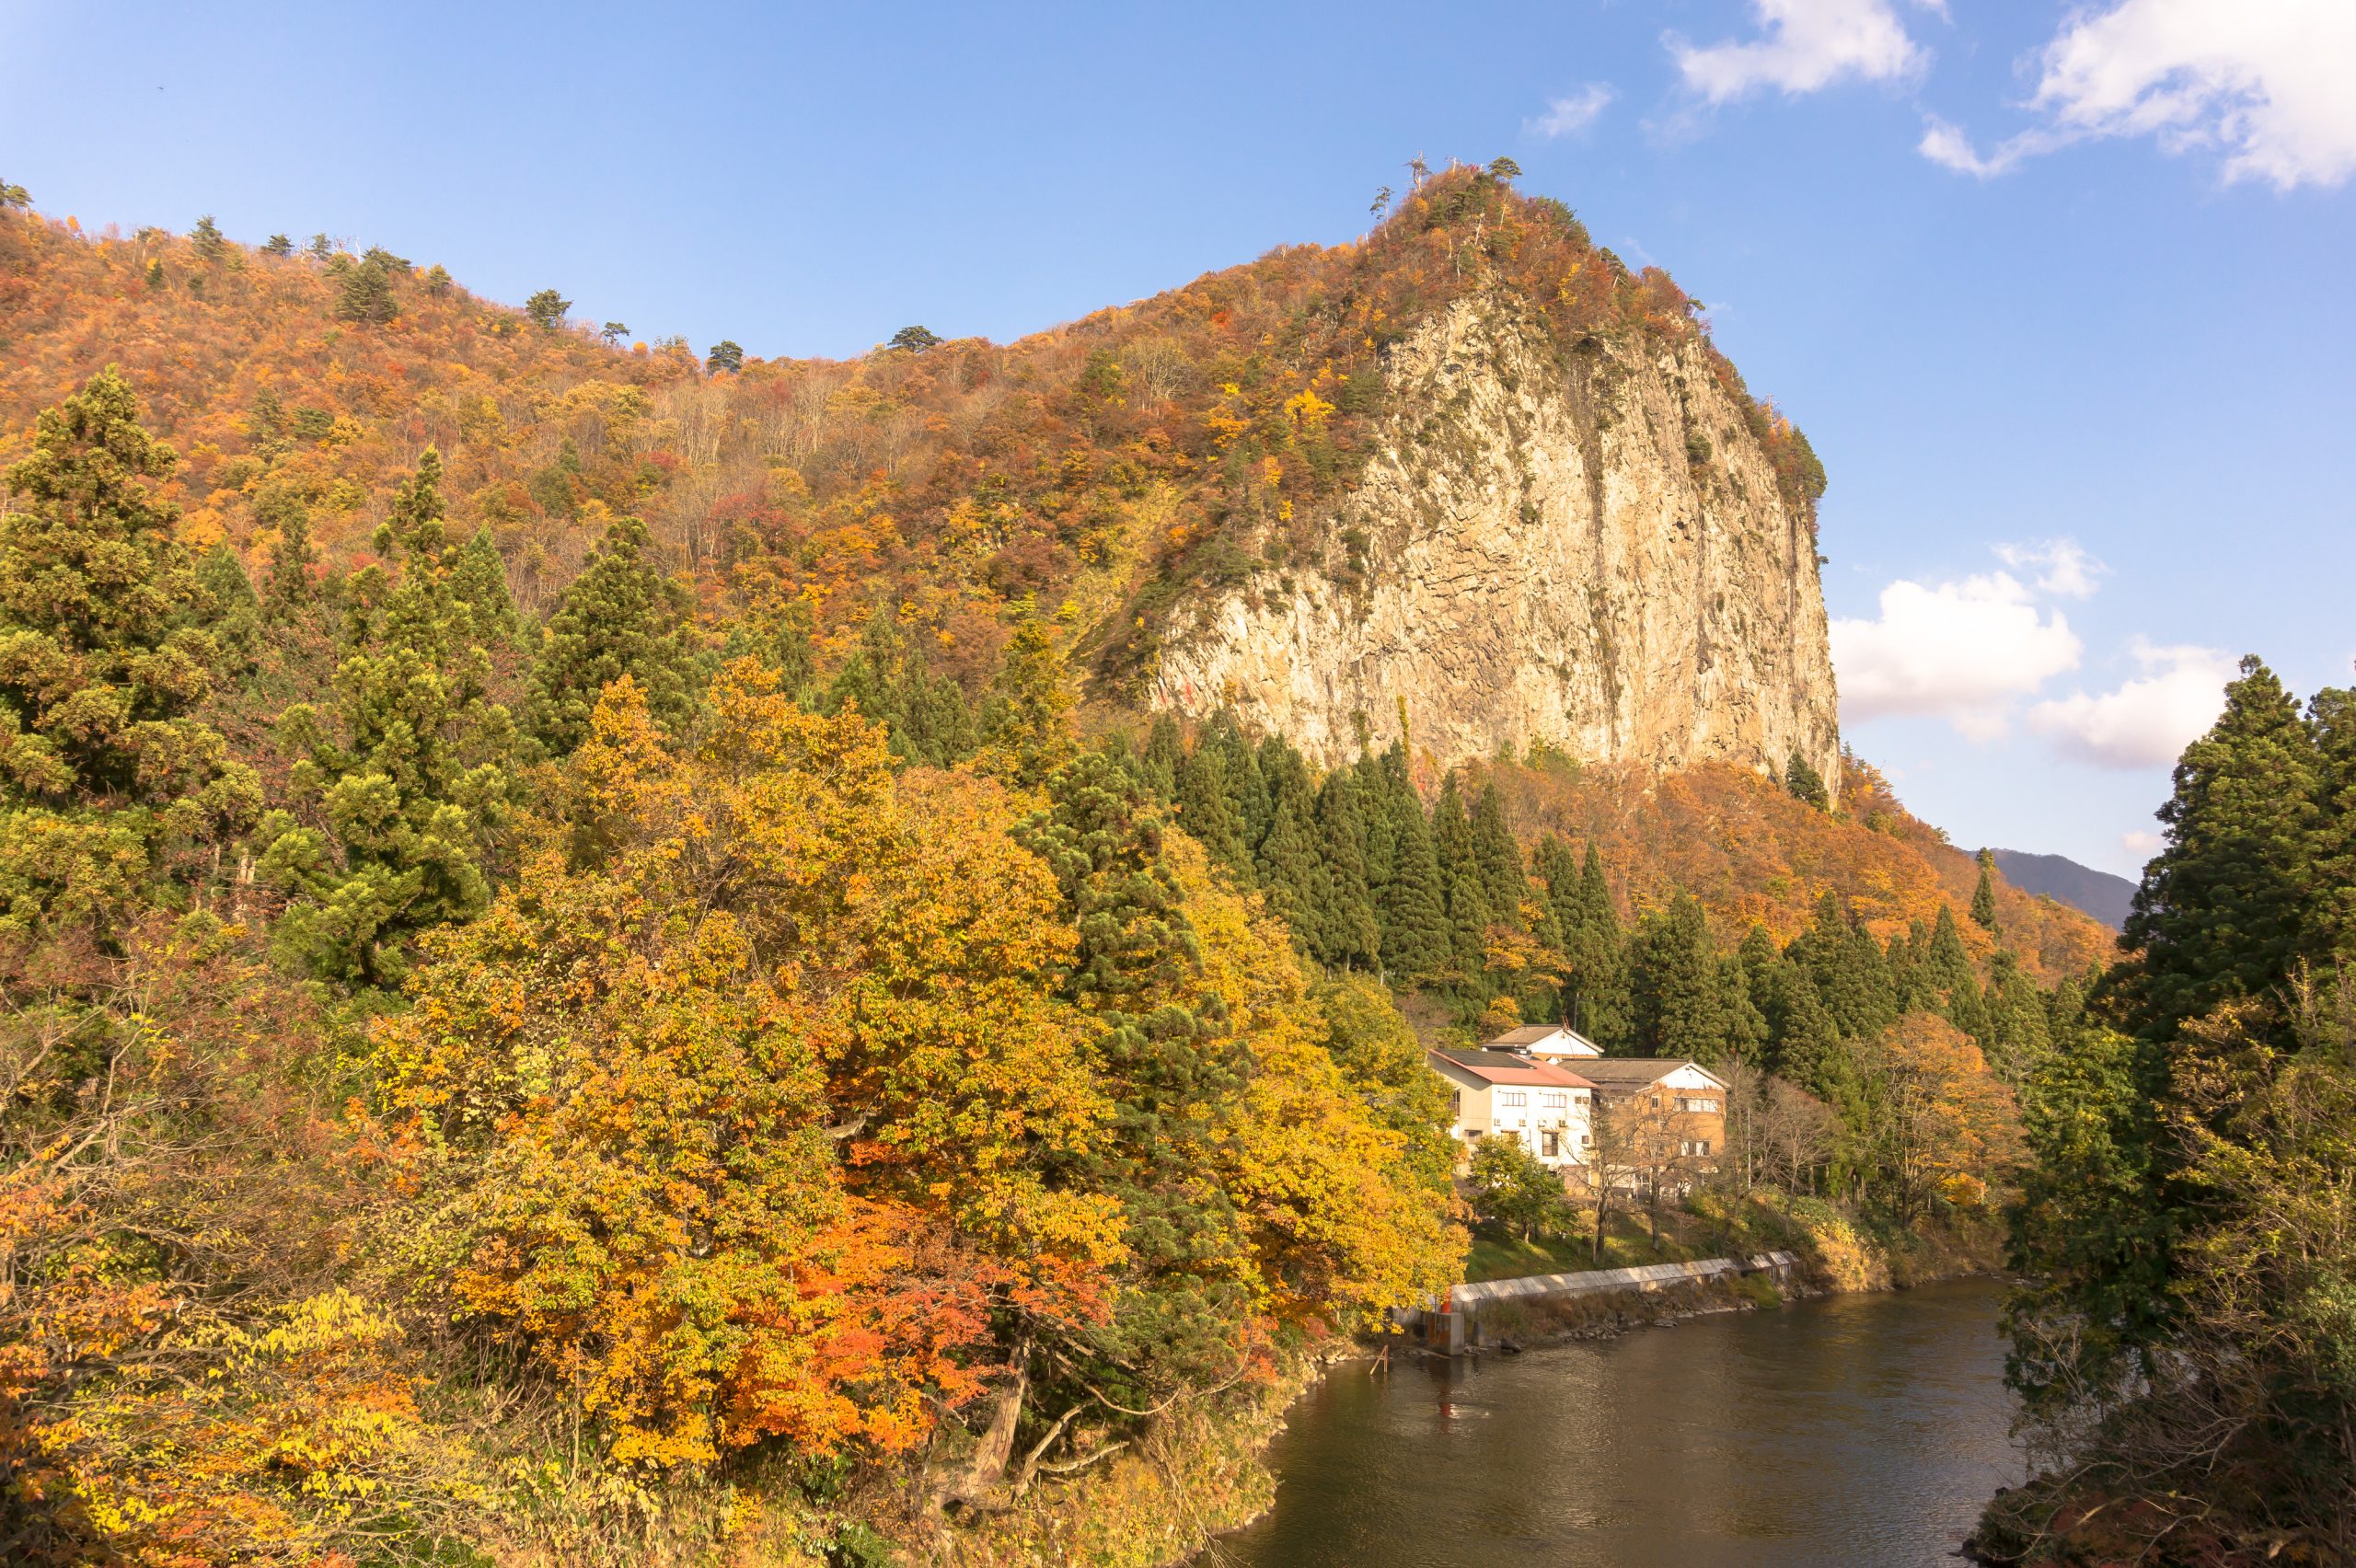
{"x": 997, "y": 1448}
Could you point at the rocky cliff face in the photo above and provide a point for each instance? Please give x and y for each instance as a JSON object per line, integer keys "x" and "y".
{"x": 1585, "y": 549}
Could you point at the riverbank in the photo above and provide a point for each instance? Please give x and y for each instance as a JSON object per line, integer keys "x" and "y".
{"x": 1200, "y": 1471}
{"x": 1865, "y": 1427}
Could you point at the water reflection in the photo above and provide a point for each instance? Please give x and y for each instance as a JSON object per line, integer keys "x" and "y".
{"x": 1863, "y": 1429}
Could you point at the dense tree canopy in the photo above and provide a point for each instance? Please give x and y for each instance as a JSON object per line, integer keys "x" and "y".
{"x": 2186, "y": 1340}
{"x": 580, "y": 959}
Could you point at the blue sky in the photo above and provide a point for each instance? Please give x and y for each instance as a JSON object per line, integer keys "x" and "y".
{"x": 2061, "y": 294}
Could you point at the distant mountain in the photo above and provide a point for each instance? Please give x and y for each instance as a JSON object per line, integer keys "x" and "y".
{"x": 2099, "y": 894}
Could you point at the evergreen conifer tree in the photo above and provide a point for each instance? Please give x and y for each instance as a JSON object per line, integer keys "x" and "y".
{"x": 1558, "y": 879}
{"x": 1463, "y": 887}
{"x": 2332, "y": 717}
{"x": 1247, "y": 792}
{"x": 1805, "y": 783}
{"x": 232, "y": 611}
{"x": 107, "y": 655}
{"x": 409, "y": 780}
{"x": 365, "y": 290}
{"x": 1804, "y": 1043}
{"x": 1910, "y": 976}
{"x": 1382, "y": 781}
{"x": 1348, "y": 935}
{"x": 619, "y": 617}
{"x": 1164, "y": 755}
{"x": 2017, "y": 1031}
{"x": 1505, "y": 883}
{"x": 1676, "y": 986}
{"x": 2222, "y": 912}
{"x": 1875, "y": 989}
{"x": 1207, "y": 807}
{"x": 288, "y": 591}
{"x": 1417, "y": 939}
{"x": 1983, "y": 897}
{"x": 1281, "y": 767}
{"x": 926, "y": 716}
{"x": 793, "y": 651}
{"x": 1851, "y": 972}
{"x": 1287, "y": 861}
{"x": 481, "y": 581}
{"x": 1596, "y": 1000}
{"x": 1742, "y": 1024}
{"x": 1167, "y": 1053}
{"x": 1758, "y": 956}
{"x": 1953, "y": 982}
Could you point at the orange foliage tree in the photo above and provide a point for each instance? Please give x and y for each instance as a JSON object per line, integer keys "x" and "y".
{"x": 743, "y": 1105}
{"x": 1945, "y": 1123}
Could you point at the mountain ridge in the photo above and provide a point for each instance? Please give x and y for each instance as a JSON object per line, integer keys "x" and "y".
{"x": 1112, "y": 473}
{"x": 2101, "y": 895}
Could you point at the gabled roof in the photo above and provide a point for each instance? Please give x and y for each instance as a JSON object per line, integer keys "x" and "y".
{"x": 1623, "y": 1074}
{"x": 1504, "y": 1067}
{"x": 1546, "y": 1039}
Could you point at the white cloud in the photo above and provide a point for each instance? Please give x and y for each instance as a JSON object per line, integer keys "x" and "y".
{"x": 2263, "y": 83}
{"x": 1809, "y": 44}
{"x": 1948, "y": 146}
{"x": 2062, "y": 567}
{"x": 1962, "y": 651}
{"x": 2146, "y": 721}
{"x": 1569, "y": 116}
{"x": 2141, "y": 844}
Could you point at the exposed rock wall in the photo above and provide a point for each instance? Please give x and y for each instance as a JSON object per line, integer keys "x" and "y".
{"x": 1540, "y": 550}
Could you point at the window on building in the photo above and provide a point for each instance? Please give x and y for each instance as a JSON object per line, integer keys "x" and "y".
{"x": 1513, "y": 1097}
{"x": 1694, "y": 1148}
{"x": 1700, "y": 1104}
{"x": 1586, "y": 1140}
{"x": 1550, "y": 1144}
{"x": 1554, "y": 1099}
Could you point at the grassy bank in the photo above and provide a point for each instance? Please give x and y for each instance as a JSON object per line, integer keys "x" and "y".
{"x": 1839, "y": 1251}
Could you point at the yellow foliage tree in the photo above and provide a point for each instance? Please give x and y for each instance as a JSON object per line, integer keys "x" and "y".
{"x": 744, "y": 1106}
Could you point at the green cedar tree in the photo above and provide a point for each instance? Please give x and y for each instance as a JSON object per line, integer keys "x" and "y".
{"x": 2222, "y": 909}
{"x": 619, "y": 617}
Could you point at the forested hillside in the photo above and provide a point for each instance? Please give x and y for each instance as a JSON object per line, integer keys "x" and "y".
{"x": 587, "y": 983}
{"x": 1106, "y": 465}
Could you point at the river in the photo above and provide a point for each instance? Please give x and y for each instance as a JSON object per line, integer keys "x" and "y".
{"x": 1863, "y": 1430}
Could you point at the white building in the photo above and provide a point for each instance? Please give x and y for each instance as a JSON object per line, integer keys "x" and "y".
{"x": 1548, "y": 1042}
{"x": 1501, "y": 1094}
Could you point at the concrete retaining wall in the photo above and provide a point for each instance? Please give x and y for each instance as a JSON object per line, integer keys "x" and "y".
{"x": 1652, "y": 1276}
{"x": 1447, "y": 1324}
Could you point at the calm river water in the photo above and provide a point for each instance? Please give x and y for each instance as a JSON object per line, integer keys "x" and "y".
{"x": 1861, "y": 1430}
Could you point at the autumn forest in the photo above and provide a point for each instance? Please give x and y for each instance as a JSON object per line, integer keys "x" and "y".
{"x": 603, "y": 964}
